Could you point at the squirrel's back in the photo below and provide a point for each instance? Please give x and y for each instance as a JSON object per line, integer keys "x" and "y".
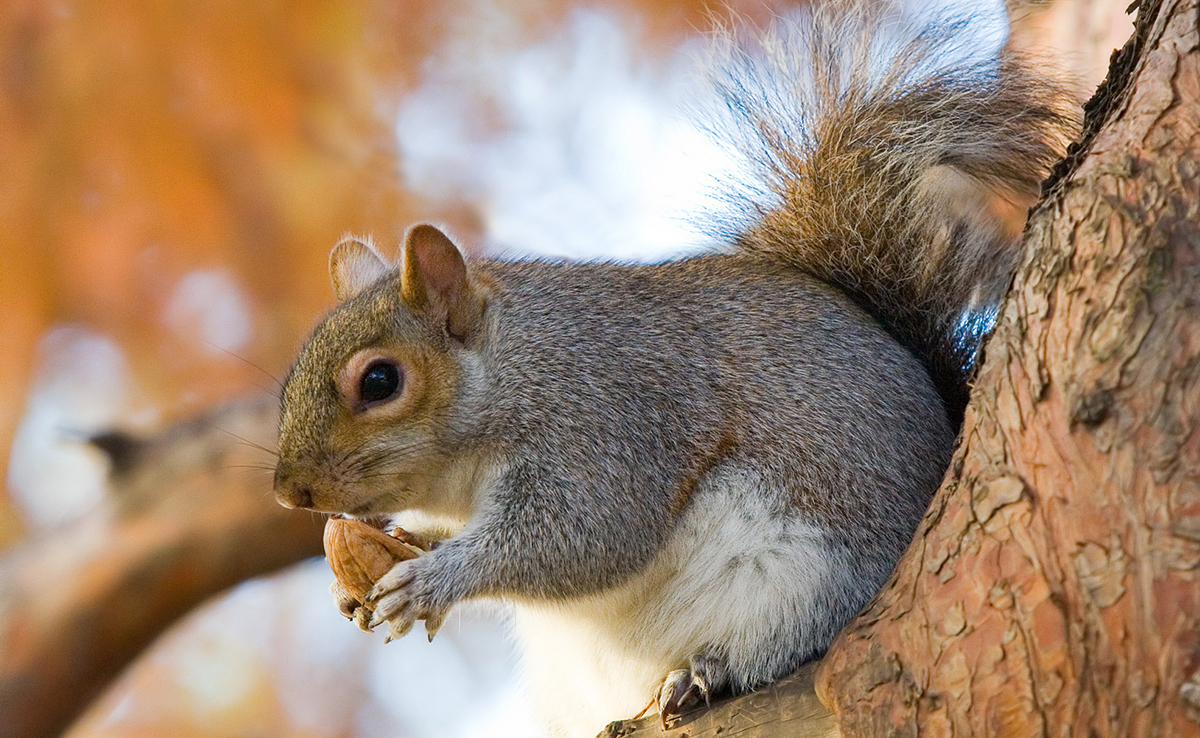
{"x": 678, "y": 361}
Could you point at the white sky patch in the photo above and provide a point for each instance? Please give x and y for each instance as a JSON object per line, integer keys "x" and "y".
{"x": 316, "y": 682}
{"x": 988, "y": 21}
{"x": 210, "y": 309}
{"x": 425, "y": 687}
{"x": 216, "y": 674}
{"x": 580, "y": 146}
{"x": 459, "y": 686}
{"x": 80, "y": 387}
{"x": 574, "y": 147}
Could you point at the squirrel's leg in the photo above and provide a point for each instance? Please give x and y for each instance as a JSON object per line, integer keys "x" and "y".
{"x": 535, "y": 535}
{"x": 705, "y": 677}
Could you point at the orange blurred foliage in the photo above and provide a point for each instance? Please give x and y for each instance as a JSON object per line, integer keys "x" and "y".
{"x": 144, "y": 141}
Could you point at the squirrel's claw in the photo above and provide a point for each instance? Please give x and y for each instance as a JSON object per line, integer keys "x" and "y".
{"x": 362, "y": 618}
{"x": 349, "y": 607}
{"x": 398, "y": 629}
{"x": 676, "y": 688}
{"x": 391, "y": 609}
{"x": 346, "y": 603}
{"x": 433, "y": 623}
{"x": 398, "y": 611}
{"x": 705, "y": 676}
{"x": 393, "y": 596}
{"x": 401, "y": 598}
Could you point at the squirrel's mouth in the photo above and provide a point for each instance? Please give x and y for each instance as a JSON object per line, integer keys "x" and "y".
{"x": 380, "y": 506}
{"x": 377, "y": 520}
{"x": 363, "y": 511}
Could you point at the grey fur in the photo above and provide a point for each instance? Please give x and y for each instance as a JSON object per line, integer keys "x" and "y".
{"x": 650, "y": 374}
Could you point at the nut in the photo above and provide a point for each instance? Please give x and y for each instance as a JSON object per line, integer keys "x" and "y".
{"x": 359, "y": 554}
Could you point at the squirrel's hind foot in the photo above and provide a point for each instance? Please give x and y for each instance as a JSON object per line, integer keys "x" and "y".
{"x": 705, "y": 677}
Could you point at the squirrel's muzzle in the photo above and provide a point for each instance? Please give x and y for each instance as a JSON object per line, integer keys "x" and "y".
{"x": 289, "y": 492}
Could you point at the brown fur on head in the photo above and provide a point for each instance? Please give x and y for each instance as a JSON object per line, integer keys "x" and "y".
{"x": 346, "y": 443}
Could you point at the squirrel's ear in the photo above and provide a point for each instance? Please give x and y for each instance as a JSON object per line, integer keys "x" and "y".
{"x": 352, "y": 266}
{"x": 434, "y": 278}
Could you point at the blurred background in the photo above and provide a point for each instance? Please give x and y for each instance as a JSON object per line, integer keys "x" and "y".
{"x": 174, "y": 174}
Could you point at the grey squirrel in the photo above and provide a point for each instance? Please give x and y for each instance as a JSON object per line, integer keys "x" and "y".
{"x": 687, "y": 477}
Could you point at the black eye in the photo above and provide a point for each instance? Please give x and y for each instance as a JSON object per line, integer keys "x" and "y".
{"x": 379, "y": 382}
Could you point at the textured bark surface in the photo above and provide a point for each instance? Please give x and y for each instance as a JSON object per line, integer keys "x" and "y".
{"x": 1054, "y": 585}
{"x": 190, "y": 520}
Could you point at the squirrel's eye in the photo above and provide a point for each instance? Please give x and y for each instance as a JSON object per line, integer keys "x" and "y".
{"x": 379, "y": 382}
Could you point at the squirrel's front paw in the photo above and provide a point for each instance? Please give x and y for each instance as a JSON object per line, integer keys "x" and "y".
{"x": 349, "y": 606}
{"x": 402, "y": 597}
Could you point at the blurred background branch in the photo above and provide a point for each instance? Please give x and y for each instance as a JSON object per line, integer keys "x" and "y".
{"x": 186, "y": 522}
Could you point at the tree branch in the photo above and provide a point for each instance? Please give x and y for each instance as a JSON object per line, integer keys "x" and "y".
{"x": 787, "y": 709}
{"x": 187, "y": 521}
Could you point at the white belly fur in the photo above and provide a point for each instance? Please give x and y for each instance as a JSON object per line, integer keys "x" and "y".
{"x": 732, "y": 578}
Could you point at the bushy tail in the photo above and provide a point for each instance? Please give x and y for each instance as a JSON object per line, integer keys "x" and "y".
{"x": 896, "y": 164}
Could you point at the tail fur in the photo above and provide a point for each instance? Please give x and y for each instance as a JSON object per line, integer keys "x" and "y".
{"x": 895, "y": 164}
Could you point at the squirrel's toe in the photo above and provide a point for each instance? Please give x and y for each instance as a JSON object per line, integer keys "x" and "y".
{"x": 704, "y": 677}
{"x": 675, "y": 689}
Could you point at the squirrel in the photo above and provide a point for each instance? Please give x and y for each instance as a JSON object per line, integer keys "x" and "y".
{"x": 688, "y": 477}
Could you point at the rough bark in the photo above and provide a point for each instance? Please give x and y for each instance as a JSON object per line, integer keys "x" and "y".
{"x": 1054, "y": 586}
{"x": 189, "y": 520}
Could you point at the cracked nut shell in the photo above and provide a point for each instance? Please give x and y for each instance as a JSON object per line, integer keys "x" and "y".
{"x": 359, "y": 554}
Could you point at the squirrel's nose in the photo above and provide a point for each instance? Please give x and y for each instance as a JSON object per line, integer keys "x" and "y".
{"x": 291, "y": 495}
{"x": 299, "y": 496}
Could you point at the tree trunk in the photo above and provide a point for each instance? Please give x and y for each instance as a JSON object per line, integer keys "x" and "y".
{"x": 1054, "y": 586}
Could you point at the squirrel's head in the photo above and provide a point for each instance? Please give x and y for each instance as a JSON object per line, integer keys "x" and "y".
{"x": 366, "y": 406}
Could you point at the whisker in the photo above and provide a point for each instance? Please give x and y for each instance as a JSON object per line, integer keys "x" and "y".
{"x": 273, "y": 393}
{"x": 363, "y": 462}
{"x": 244, "y": 360}
{"x": 250, "y": 443}
{"x": 348, "y": 455}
